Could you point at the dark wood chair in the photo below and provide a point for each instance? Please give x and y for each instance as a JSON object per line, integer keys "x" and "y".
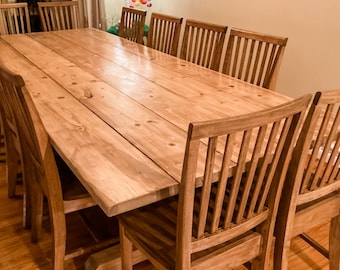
{"x": 14, "y": 19}
{"x": 202, "y": 43}
{"x": 47, "y": 176}
{"x": 61, "y": 15}
{"x": 164, "y": 32}
{"x": 224, "y": 215}
{"x": 312, "y": 189}
{"x": 254, "y": 57}
{"x": 131, "y": 25}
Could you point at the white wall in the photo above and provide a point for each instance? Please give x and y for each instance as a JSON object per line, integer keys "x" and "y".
{"x": 312, "y": 57}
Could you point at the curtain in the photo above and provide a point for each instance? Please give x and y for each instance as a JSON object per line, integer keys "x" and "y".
{"x": 92, "y": 14}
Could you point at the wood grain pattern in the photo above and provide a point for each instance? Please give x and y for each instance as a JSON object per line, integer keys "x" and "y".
{"x": 119, "y": 110}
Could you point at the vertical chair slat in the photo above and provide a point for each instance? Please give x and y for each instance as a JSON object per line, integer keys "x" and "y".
{"x": 223, "y": 181}
{"x": 256, "y": 155}
{"x": 250, "y": 58}
{"x": 205, "y": 195}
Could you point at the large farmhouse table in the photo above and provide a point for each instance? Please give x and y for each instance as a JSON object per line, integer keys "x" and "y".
{"x": 117, "y": 112}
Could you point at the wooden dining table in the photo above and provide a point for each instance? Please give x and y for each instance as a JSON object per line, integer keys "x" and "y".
{"x": 117, "y": 112}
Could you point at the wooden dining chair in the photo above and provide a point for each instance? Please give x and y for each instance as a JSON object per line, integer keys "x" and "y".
{"x": 131, "y": 26}
{"x": 61, "y": 15}
{"x": 14, "y": 19}
{"x": 230, "y": 188}
{"x": 46, "y": 174}
{"x": 164, "y": 32}
{"x": 312, "y": 190}
{"x": 254, "y": 57}
{"x": 202, "y": 43}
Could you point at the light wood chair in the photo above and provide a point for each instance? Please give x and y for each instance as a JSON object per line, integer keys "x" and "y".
{"x": 46, "y": 174}
{"x": 312, "y": 190}
{"x": 254, "y": 57}
{"x": 226, "y": 217}
{"x": 164, "y": 32}
{"x": 131, "y": 26}
{"x": 59, "y": 15}
{"x": 14, "y": 19}
{"x": 202, "y": 43}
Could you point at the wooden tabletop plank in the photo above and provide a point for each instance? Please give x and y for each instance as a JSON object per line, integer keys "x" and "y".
{"x": 242, "y": 98}
{"x": 79, "y": 132}
{"x": 203, "y": 76}
{"x": 174, "y": 74}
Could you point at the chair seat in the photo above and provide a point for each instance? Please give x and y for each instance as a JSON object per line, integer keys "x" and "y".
{"x": 159, "y": 220}
{"x": 161, "y": 226}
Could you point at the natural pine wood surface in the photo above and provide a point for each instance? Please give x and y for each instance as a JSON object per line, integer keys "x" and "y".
{"x": 17, "y": 251}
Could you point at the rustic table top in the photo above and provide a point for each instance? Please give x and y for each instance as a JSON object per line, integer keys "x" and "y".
{"x": 118, "y": 112}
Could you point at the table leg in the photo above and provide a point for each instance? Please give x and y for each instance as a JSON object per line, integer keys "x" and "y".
{"x": 334, "y": 244}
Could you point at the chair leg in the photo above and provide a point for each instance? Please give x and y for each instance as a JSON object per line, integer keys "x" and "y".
{"x": 334, "y": 244}
{"x": 27, "y": 208}
{"x": 11, "y": 172}
{"x": 58, "y": 224}
{"x": 126, "y": 249}
{"x": 35, "y": 199}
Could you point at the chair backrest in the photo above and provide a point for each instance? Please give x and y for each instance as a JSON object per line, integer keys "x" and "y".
{"x": 59, "y": 15}
{"x": 244, "y": 198}
{"x": 131, "y": 25}
{"x": 202, "y": 43}
{"x": 14, "y": 19}
{"x": 164, "y": 32}
{"x": 254, "y": 57}
{"x": 316, "y": 159}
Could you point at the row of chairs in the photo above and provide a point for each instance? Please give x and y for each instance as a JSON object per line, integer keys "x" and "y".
{"x": 250, "y": 56}
{"x": 15, "y": 17}
{"x": 235, "y": 216}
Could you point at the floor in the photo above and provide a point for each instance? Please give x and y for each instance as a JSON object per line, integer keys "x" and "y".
{"x": 17, "y": 251}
